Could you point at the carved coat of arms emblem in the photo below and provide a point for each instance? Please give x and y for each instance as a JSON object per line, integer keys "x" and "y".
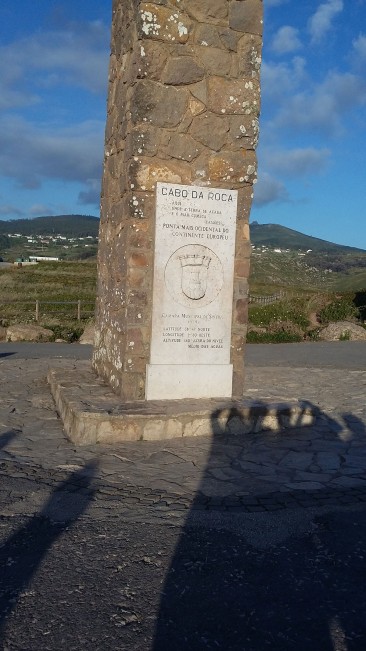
{"x": 194, "y": 275}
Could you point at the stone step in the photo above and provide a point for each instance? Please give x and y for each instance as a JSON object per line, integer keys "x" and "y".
{"x": 92, "y": 413}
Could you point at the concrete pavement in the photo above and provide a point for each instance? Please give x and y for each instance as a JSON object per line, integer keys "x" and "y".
{"x": 321, "y": 462}
{"x": 239, "y": 545}
{"x": 347, "y": 354}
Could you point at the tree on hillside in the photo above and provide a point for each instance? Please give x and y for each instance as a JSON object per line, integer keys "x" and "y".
{"x": 4, "y": 242}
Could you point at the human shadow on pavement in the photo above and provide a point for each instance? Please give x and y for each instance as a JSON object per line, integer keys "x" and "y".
{"x": 354, "y": 424}
{"x": 23, "y": 552}
{"x": 250, "y": 581}
{"x": 6, "y": 437}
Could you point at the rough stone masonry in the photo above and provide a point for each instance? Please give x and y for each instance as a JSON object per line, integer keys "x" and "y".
{"x": 184, "y": 100}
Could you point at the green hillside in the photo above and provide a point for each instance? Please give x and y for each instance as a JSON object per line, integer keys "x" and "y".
{"x": 303, "y": 261}
{"x": 274, "y": 236}
{"x": 66, "y": 225}
{"x": 271, "y": 235}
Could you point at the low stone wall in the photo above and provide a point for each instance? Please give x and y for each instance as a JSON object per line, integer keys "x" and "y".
{"x": 91, "y": 413}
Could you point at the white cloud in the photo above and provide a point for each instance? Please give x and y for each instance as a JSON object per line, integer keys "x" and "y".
{"x": 90, "y": 196}
{"x": 7, "y": 210}
{"x": 39, "y": 209}
{"x": 296, "y": 162}
{"x": 321, "y": 21}
{"x": 279, "y": 79}
{"x": 77, "y": 56}
{"x": 359, "y": 51}
{"x": 286, "y": 40}
{"x": 31, "y": 154}
{"x": 292, "y": 163}
{"x": 268, "y": 190}
{"x": 323, "y": 107}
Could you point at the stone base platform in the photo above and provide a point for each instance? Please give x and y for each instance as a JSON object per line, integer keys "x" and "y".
{"x": 92, "y": 413}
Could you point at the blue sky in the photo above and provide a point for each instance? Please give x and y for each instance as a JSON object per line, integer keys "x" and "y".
{"x": 53, "y": 79}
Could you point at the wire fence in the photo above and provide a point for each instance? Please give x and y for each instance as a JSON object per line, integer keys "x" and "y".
{"x": 81, "y": 310}
{"x": 78, "y": 310}
{"x": 266, "y": 300}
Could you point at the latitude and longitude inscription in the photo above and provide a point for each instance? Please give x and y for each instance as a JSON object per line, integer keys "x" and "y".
{"x": 193, "y": 275}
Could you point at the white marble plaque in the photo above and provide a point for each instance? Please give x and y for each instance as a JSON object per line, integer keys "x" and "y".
{"x": 193, "y": 278}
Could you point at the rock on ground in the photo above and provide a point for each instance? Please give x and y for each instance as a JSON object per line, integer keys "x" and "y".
{"x": 88, "y": 335}
{"x": 28, "y": 333}
{"x": 343, "y": 330}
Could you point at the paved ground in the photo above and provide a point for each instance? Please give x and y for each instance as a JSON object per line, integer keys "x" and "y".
{"x": 327, "y": 457}
{"x": 189, "y": 544}
{"x": 350, "y": 355}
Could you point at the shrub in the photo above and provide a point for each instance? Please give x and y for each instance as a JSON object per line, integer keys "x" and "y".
{"x": 286, "y": 327}
{"x": 282, "y": 311}
{"x": 341, "y": 309}
{"x": 313, "y": 335}
{"x": 69, "y": 332}
{"x": 345, "y": 336}
{"x": 360, "y": 302}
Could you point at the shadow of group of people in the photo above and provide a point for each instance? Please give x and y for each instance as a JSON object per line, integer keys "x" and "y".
{"x": 224, "y": 589}
{"x": 235, "y": 585}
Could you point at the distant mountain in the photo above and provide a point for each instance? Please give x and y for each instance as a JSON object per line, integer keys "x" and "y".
{"x": 271, "y": 235}
{"x": 275, "y": 236}
{"x": 66, "y": 225}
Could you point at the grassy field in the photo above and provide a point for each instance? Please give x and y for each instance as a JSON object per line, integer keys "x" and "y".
{"x": 309, "y": 298}
{"x": 75, "y": 253}
{"x": 353, "y": 282}
{"x": 49, "y": 282}
{"x": 271, "y": 271}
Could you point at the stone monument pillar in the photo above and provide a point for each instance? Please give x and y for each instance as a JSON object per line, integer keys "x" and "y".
{"x": 179, "y": 168}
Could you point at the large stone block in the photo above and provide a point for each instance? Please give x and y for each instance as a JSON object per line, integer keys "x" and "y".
{"x": 199, "y": 91}
{"x": 183, "y": 147}
{"x": 244, "y": 131}
{"x": 249, "y": 56}
{"x": 233, "y": 167}
{"x": 163, "y": 23}
{"x": 143, "y": 141}
{"x": 230, "y": 38}
{"x": 152, "y": 57}
{"x": 242, "y": 268}
{"x": 208, "y": 11}
{"x": 246, "y": 16}
{"x": 195, "y": 106}
{"x": 208, "y": 36}
{"x": 145, "y": 173}
{"x": 161, "y": 106}
{"x": 216, "y": 61}
{"x": 210, "y": 130}
{"x": 181, "y": 71}
{"x": 233, "y": 96}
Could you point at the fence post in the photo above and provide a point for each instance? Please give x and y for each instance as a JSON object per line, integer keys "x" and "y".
{"x": 79, "y": 310}
{"x": 37, "y": 311}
